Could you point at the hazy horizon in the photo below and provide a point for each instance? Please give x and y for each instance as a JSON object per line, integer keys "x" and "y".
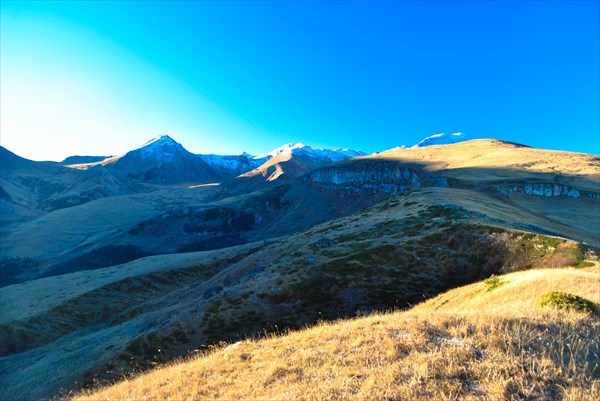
{"x": 102, "y": 78}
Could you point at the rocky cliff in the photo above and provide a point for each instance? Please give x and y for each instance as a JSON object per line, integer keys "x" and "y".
{"x": 378, "y": 178}
{"x": 547, "y": 189}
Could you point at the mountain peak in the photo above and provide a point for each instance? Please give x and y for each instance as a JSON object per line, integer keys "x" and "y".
{"x": 161, "y": 149}
{"x": 442, "y": 139}
{"x": 288, "y": 147}
{"x": 161, "y": 140}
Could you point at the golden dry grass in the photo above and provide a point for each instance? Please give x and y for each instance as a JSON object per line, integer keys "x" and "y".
{"x": 491, "y": 155}
{"x": 518, "y": 291}
{"x": 467, "y": 344}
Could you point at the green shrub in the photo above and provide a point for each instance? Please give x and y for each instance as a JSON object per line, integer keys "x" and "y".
{"x": 563, "y": 300}
{"x": 583, "y": 264}
{"x": 493, "y": 282}
{"x": 577, "y": 253}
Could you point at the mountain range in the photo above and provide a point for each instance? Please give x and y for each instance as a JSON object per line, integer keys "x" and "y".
{"x": 30, "y": 189}
{"x": 112, "y": 264}
{"x": 164, "y": 160}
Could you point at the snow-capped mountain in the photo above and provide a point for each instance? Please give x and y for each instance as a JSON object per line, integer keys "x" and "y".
{"x": 288, "y": 147}
{"x": 161, "y": 149}
{"x": 331, "y": 155}
{"x": 164, "y": 149}
{"x": 236, "y": 163}
{"x": 161, "y": 160}
{"x": 442, "y": 139}
{"x": 297, "y": 159}
{"x": 437, "y": 139}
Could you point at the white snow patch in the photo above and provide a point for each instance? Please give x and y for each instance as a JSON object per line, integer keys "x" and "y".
{"x": 285, "y": 148}
{"x": 442, "y": 139}
{"x": 297, "y": 149}
{"x": 212, "y": 184}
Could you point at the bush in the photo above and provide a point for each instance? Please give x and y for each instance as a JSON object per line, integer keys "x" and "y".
{"x": 577, "y": 253}
{"x": 493, "y": 282}
{"x": 563, "y": 300}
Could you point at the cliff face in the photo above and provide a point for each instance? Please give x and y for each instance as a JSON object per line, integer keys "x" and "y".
{"x": 545, "y": 189}
{"x": 393, "y": 179}
{"x": 381, "y": 179}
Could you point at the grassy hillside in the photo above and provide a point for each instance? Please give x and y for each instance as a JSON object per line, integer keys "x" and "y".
{"x": 489, "y": 160}
{"x": 500, "y": 169}
{"x": 92, "y": 233}
{"x": 471, "y": 343}
{"x": 97, "y": 324}
{"x": 367, "y": 235}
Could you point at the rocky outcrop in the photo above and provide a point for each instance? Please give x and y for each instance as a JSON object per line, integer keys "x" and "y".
{"x": 546, "y": 189}
{"x": 377, "y": 179}
{"x": 362, "y": 177}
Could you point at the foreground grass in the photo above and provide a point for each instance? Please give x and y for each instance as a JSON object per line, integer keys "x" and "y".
{"x": 467, "y": 344}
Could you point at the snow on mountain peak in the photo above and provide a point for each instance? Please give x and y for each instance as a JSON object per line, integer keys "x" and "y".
{"x": 160, "y": 140}
{"x": 160, "y": 149}
{"x": 288, "y": 147}
{"x": 333, "y": 155}
{"x": 437, "y": 139}
{"x": 442, "y": 139}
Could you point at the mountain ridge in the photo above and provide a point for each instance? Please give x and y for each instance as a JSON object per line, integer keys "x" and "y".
{"x": 148, "y": 161}
{"x": 442, "y": 139}
{"x": 110, "y": 273}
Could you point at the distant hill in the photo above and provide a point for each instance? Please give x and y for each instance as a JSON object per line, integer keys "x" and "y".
{"x": 83, "y": 159}
{"x": 32, "y": 189}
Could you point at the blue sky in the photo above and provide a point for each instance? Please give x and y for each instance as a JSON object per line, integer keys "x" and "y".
{"x": 226, "y": 77}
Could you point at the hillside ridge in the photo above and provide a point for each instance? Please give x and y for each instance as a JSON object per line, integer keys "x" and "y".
{"x": 433, "y": 351}
{"x": 112, "y": 268}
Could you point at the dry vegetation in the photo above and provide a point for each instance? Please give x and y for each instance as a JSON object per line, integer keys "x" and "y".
{"x": 487, "y": 159}
{"x": 470, "y": 343}
{"x": 484, "y": 341}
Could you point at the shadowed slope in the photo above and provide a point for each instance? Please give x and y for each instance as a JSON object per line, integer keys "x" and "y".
{"x": 471, "y": 351}
{"x": 30, "y": 189}
{"x": 441, "y": 224}
{"x": 390, "y": 255}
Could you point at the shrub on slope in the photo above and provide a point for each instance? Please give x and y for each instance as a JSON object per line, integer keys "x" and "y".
{"x": 454, "y": 346}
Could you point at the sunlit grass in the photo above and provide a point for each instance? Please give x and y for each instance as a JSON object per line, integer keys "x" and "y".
{"x": 499, "y": 346}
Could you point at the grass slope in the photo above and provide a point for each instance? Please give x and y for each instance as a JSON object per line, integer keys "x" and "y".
{"x": 97, "y": 324}
{"x": 488, "y": 160}
{"x": 469, "y": 344}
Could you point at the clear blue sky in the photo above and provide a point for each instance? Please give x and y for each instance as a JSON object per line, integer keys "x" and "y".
{"x": 226, "y": 77}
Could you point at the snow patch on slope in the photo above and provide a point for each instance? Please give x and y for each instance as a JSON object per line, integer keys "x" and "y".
{"x": 299, "y": 149}
{"x": 437, "y": 139}
{"x": 161, "y": 149}
{"x": 241, "y": 162}
{"x": 331, "y": 155}
{"x": 288, "y": 147}
{"x": 442, "y": 139}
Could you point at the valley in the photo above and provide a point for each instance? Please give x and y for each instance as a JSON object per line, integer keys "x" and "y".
{"x": 116, "y": 265}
